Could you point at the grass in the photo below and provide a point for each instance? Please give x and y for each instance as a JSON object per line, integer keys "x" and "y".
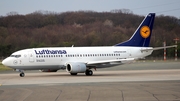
{"x": 4, "y": 68}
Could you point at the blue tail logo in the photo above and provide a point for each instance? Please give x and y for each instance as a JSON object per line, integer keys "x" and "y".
{"x": 142, "y": 35}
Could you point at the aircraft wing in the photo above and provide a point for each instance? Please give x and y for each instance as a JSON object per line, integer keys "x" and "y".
{"x": 118, "y": 61}
{"x": 158, "y": 48}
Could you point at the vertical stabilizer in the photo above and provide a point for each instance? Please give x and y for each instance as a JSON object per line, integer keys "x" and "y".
{"x": 142, "y": 35}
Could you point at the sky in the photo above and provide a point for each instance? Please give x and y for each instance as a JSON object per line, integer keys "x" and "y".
{"x": 139, "y": 7}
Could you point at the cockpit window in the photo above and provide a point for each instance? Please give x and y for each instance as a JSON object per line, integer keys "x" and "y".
{"x": 16, "y": 56}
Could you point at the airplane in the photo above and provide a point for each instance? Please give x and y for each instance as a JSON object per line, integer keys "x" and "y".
{"x": 82, "y": 59}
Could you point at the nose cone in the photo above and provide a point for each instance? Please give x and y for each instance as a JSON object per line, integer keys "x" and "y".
{"x": 9, "y": 62}
{"x": 5, "y": 62}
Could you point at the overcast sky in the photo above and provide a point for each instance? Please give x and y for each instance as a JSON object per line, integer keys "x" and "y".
{"x": 140, "y": 7}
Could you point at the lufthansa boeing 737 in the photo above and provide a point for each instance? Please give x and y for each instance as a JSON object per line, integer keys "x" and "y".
{"x": 82, "y": 59}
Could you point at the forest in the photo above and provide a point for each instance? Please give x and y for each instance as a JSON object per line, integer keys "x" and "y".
{"x": 81, "y": 28}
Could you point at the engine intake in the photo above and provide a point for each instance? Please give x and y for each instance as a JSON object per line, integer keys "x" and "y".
{"x": 76, "y": 67}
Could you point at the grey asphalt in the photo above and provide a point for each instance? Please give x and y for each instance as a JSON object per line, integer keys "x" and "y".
{"x": 140, "y": 81}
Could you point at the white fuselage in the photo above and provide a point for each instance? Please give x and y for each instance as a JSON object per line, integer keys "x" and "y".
{"x": 83, "y": 59}
{"x": 56, "y": 58}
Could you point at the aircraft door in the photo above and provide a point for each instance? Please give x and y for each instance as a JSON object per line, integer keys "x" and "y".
{"x": 129, "y": 53}
{"x": 31, "y": 57}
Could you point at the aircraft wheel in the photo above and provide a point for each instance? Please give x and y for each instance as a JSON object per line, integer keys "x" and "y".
{"x": 73, "y": 73}
{"x": 22, "y": 74}
{"x": 89, "y": 72}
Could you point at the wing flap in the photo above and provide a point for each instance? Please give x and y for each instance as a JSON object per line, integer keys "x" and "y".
{"x": 118, "y": 61}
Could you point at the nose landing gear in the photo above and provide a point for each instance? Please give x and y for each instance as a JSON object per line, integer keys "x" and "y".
{"x": 21, "y": 72}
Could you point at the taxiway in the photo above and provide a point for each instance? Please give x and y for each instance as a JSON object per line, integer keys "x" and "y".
{"x": 141, "y": 81}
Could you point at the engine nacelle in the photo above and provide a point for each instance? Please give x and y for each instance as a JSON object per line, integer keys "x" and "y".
{"x": 73, "y": 67}
{"x": 48, "y": 70}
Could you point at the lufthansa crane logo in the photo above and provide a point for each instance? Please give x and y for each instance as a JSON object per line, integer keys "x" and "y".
{"x": 145, "y": 31}
{"x": 15, "y": 62}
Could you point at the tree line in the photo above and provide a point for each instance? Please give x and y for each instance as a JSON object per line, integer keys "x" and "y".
{"x": 81, "y": 28}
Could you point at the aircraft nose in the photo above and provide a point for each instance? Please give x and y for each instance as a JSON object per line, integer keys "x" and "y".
{"x": 5, "y": 62}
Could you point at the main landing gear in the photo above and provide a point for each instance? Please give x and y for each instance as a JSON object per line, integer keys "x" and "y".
{"x": 89, "y": 72}
{"x": 73, "y": 73}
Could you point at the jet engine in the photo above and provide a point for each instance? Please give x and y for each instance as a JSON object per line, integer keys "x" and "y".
{"x": 73, "y": 67}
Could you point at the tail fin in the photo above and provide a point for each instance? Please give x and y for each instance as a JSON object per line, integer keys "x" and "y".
{"x": 142, "y": 35}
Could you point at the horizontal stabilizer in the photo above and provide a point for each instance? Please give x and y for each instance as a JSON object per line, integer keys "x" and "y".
{"x": 158, "y": 48}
